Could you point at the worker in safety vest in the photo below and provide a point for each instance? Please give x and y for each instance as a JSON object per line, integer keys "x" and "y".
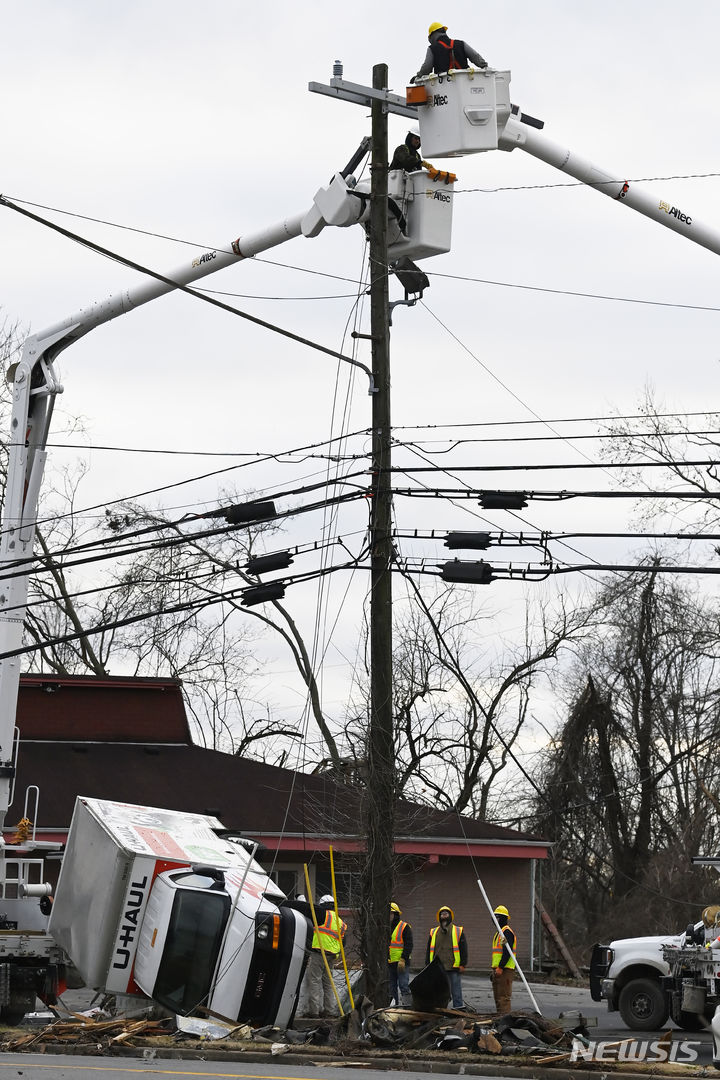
{"x": 319, "y": 998}
{"x": 447, "y": 942}
{"x": 400, "y": 949}
{"x": 502, "y": 961}
{"x": 447, "y": 54}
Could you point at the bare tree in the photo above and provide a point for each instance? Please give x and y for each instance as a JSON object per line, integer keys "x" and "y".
{"x": 620, "y": 791}
{"x": 677, "y": 442}
{"x": 460, "y": 706}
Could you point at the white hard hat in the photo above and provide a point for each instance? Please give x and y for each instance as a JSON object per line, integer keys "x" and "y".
{"x": 326, "y": 899}
{"x": 415, "y": 132}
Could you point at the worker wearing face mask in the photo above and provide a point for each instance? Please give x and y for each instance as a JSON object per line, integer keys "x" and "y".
{"x": 447, "y": 942}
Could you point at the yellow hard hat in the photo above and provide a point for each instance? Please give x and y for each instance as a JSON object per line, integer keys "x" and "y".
{"x": 436, "y": 26}
{"x": 394, "y": 907}
{"x": 501, "y": 910}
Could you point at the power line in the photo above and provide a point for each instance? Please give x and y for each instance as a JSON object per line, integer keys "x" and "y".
{"x": 554, "y": 496}
{"x": 454, "y": 443}
{"x": 450, "y": 469}
{"x": 574, "y": 292}
{"x": 578, "y": 184}
{"x": 551, "y": 420}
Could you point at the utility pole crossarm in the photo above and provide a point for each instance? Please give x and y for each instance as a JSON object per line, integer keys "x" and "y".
{"x": 364, "y": 95}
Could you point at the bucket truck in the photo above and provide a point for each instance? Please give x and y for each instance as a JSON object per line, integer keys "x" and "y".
{"x": 32, "y": 961}
{"x": 464, "y": 112}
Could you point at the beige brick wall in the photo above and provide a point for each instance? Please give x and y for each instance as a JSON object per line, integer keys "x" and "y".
{"x": 453, "y": 881}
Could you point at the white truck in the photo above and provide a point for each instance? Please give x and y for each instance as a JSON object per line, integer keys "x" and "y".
{"x": 168, "y": 906}
{"x": 464, "y": 112}
{"x": 629, "y": 974}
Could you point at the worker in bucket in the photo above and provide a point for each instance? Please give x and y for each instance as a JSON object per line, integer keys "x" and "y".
{"x": 407, "y": 154}
{"x": 399, "y": 955}
{"x": 447, "y": 54}
{"x": 317, "y": 985}
{"x": 502, "y": 961}
{"x": 407, "y": 157}
{"x": 447, "y": 942}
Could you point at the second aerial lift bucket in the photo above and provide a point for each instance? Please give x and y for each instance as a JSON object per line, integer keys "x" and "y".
{"x": 461, "y": 112}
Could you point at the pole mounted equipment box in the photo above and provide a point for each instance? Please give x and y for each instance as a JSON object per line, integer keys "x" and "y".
{"x": 462, "y": 112}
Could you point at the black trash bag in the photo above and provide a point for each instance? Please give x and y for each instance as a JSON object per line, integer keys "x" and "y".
{"x": 430, "y": 988}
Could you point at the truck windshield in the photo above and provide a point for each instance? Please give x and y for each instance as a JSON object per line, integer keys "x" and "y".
{"x": 191, "y": 949}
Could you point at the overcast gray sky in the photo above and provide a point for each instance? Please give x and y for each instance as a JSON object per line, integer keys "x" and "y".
{"x": 193, "y": 121}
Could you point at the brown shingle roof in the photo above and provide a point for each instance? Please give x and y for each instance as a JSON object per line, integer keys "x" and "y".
{"x": 100, "y": 738}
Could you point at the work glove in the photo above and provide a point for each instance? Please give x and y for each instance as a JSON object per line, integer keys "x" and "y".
{"x": 413, "y": 80}
{"x": 484, "y": 64}
{"x": 401, "y": 964}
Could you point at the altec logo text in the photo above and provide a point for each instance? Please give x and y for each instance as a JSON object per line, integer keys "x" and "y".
{"x": 204, "y": 258}
{"x": 674, "y": 212}
{"x": 652, "y": 1050}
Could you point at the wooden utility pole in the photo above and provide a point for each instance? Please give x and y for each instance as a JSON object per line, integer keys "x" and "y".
{"x": 380, "y": 792}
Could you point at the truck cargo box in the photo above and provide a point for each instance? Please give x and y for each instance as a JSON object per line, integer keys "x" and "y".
{"x": 214, "y": 934}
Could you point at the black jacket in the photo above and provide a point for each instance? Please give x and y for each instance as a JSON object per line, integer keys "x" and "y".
{"x": 406, "y": 157}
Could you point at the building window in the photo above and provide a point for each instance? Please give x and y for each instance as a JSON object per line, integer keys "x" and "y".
{"x": 347, "y": 885}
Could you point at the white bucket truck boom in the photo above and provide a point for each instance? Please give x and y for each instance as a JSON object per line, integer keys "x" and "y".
{"x": 469, "y": 112}
{"x": 31, "y": 963}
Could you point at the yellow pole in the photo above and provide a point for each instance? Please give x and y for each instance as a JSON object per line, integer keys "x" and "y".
{"x": 337, "y": 915}
{"x": 315, "y": 924}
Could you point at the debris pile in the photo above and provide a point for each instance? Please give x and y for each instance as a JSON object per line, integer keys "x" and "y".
{"x": 363, "y": 1031}
{"x": 81, "y": 1030}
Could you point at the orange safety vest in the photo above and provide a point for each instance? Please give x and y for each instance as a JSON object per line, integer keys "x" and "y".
{"x": 456, "y": 932}
{"x": 396, "y": 942}
{"x": 329, "y": 933}
{"x": 497, "y": 949}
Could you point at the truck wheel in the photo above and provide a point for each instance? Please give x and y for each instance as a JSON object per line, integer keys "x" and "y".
{"x": 642, "y": 1005}
{"x": 11, "y": 1017}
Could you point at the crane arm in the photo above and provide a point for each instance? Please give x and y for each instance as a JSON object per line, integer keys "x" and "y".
{"x": 519, "y": 135}
{"x": 34, "y": 389}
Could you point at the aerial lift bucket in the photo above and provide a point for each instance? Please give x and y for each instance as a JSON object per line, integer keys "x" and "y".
{"x": 462, "y": 112}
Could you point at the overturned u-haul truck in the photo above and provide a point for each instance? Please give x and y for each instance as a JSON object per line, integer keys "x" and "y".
{"x": 168, "y": 906}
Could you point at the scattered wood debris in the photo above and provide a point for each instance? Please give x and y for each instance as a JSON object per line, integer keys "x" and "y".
{"x": 358, "y": 1038}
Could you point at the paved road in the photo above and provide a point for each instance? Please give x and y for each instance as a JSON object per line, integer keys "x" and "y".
{"x": 554, "y": 1000}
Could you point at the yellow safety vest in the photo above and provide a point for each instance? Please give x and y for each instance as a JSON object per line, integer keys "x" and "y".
{"x": 497, "y": 949}
{"x": 328, "y": 933}
{"x": 456, "y": 932}
{"x": 396, "y": 942}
